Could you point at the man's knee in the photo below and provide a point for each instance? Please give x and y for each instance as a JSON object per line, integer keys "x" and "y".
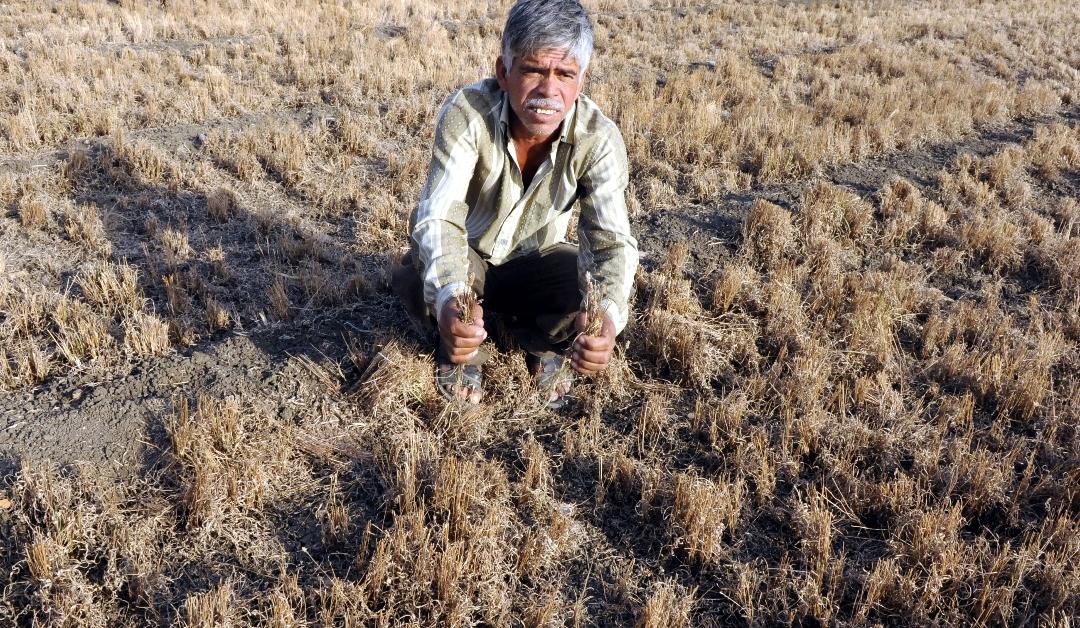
{"x": 404, "y": 277}
{"x": 409, "y": 289}
{"x": 562, "y": 260}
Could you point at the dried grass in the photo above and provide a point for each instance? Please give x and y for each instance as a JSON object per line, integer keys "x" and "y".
{"x": 859, "y": 412}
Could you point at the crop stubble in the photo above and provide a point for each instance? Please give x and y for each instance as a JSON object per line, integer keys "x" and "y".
{"x": 858, "y": 406}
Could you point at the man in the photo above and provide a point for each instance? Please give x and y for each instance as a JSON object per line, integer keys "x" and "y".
{"x": 512, "y": 157}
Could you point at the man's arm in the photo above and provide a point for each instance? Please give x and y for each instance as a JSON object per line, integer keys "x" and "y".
{"x": 439, "y": 235}
{"x": 607, "y": 249}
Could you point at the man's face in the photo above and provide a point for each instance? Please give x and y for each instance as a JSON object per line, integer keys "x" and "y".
{"x": 541, "y": 87}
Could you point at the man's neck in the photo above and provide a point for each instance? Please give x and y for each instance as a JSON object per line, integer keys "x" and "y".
{"x": 531, "y": 149}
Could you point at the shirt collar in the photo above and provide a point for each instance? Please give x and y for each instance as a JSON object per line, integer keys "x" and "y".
{"x": 566, "y": 129}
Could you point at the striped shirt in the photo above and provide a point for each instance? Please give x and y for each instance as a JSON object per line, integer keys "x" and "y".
{"x": 474, "y": 197}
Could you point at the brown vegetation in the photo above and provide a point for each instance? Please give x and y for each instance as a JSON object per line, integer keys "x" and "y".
{"x": 858, "y": 407}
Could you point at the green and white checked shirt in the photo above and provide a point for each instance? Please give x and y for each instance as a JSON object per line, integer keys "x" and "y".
{"x": 474, "y": 197}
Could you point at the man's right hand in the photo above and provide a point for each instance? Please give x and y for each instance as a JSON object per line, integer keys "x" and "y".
{"x": 461, "y": 341}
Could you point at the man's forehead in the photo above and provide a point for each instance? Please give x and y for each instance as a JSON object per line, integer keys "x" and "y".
{"x": 559, "y": 58}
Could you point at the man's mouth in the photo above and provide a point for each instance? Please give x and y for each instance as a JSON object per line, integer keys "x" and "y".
{"x": 543, "y": 108}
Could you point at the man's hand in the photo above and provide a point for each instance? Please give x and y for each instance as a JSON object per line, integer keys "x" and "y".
{"x": 461, "y": 341}
{"x": 591, "y": 354}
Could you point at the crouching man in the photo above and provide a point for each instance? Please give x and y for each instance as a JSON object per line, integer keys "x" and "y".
{"x": 512, "y": 157}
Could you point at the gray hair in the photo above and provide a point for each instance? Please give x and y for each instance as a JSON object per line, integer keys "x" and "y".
{"x": 534, "y": 25}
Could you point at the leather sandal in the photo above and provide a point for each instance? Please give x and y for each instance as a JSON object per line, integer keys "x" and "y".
{"x": 548, "y": 373}
{"x": 450, "y": 376}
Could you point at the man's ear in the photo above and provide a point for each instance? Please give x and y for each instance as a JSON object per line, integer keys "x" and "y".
{"x": 500, "y": 72}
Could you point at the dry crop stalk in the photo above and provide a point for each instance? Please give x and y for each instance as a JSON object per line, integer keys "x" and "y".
{"x": 466, "y": 300}
{"x": 594, "y": 313}
{"x": 594, "y": 325}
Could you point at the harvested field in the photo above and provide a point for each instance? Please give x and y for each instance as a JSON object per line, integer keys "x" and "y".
{"x": 849, "y": 393}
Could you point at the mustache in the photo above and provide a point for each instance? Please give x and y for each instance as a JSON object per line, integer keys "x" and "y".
{"x": 544, "y": 103}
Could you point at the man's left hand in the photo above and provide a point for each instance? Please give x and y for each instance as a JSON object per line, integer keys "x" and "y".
{"x": 591, "y": 354}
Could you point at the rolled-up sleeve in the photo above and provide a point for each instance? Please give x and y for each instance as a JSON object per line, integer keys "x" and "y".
{"x": 608, "y": 251}
{"x": 439, "y": 236}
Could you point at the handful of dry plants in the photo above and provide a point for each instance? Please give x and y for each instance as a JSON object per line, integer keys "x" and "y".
{"x": 465, "y": 300}
{"x": 594, "y": 324}
{"x": 594, "y": 311}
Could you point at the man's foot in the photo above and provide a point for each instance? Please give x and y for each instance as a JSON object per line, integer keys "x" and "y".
{"x": 553, "y": 378}
{"x": 459, "y": 382}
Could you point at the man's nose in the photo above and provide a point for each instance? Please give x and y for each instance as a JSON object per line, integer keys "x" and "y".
{"x": 548, "y": 85}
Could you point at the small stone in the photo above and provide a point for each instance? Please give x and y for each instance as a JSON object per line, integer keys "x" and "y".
{"x": 200, "y": 139}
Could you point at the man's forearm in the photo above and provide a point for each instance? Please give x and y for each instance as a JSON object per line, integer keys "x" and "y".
{"x": 439, "y": 235}
{"x": 442, "y": 249}
{"x": 611, "y": 258}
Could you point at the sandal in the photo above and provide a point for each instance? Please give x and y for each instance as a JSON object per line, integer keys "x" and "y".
{"x": 548, "y": 373}
{"x": 449, "y": 376}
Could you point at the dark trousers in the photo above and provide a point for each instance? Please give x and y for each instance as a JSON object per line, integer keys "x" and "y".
{"x": 535, "y": 296}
